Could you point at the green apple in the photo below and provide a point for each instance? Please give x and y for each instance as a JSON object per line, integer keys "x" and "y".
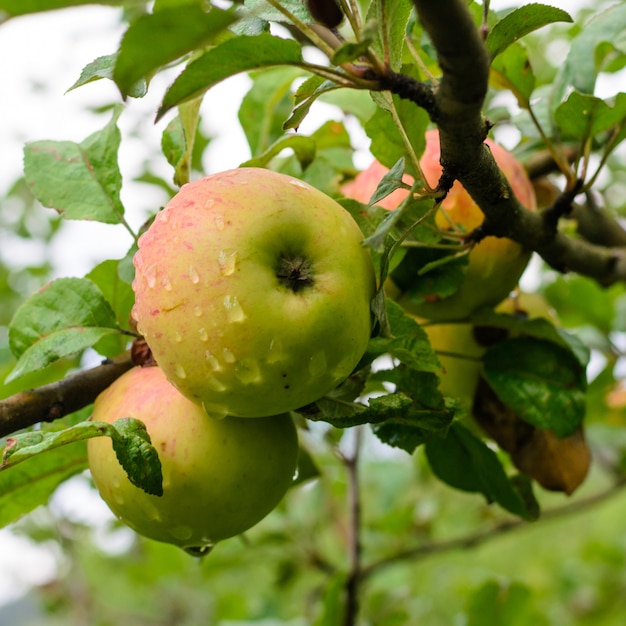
{"x": 220, "y": 477}
{"x": 253, "y": 291}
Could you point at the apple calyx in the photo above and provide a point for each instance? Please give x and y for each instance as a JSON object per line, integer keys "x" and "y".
{"x": 295, "y": 272}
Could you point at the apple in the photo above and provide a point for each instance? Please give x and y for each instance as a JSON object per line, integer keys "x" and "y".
{"x": 253, "y": 291}
{"x": 220, "y": 477}
{"x": 495, "y": 264}
{"x": 461, "y": 345}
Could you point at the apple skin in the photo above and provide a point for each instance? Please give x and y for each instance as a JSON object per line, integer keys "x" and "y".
{"x": 228, "y": 331}
{"x": 495, "y": 264}
{"x": 220, "y": 477}
{"x": 460, "y": 375}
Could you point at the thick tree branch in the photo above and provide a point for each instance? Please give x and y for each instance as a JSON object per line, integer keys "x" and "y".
{"x": 457, "y": 106}
{"x": 57, "y": 399}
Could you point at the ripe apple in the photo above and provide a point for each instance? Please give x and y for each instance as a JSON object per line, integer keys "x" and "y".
{"x": 220, "y": 477}
{"x": 253, "y": 291}
{"x": 461, "y": 345}
{"x": 495, "y": 264}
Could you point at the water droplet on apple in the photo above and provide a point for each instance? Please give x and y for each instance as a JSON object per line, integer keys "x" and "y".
{"x": 193, "y": 275}
{"x": 181, "y": 532}
{"x": 173, "y": 226}
{"x": 150, "y": 276}
{"x": 134, "y": 314}
{"x": 248, "y": 371}
{"x": 215, "y": 384}
{"x": 199, "y": 551}
{"x": 216, "y": 411}
{"x": 204, "y": 335}
{"x": 179, "y": 370}
{"x": 275, "y": 351}
{"x": 212, "y": 362}
{"x": 298, "y": 183}
{"x": 197, "y": 311}
{"x": 219, "y": 221}
{"x": 318, "y": 364}
{"x": 234, "y": 312}
{"x": 229, "y": 357}
{"x": 227, "y": 260}
{"x": 167, "y": 285}
{"x": 178, "y": 337}
{"x": 163, "y": 216}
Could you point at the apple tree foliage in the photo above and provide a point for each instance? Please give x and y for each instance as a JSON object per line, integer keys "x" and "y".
{"x": 393, "y": 68}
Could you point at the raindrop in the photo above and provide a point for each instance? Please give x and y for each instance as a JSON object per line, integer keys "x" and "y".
{"x": 150, "y": 275}
{"x": 180, "y": 371}
{"x": 204, "y": 335}
{"x": 167, "y": 285}
{"x": 214, "y": 384}
{"x": 298, "y": 183}
{"x": 178, "y": 337}
{"x": 216, "y": 411}
{"x": 212, "y": 362}
{"x": 197, "y": 311}
{"x": 248, "y": 371}
{"x": 229, "y": 357}
{"x": 219, "y": 221}
{"x": 193, "y": 275}
{"x": 199, "y": 551}
{"x": 234, "y": 312}
{"x": 275, "y": 352}
{"x": 227, "y": 260}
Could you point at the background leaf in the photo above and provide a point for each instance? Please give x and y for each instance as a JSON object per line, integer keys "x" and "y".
{"x": 231, "y": 57}
{"x": 81, "y": 181}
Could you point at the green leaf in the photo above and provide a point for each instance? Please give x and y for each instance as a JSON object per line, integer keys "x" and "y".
{"x": 80, "y": 181}
{"x": 512, "y": 71}
{"x": 66, "y": 316}
{"x": 265, "y": 11}
{"x": 266, "y": 106}
{"x": 389, "y": 41}
{"x": 308, "y": 92}
{"x": 103, "y": 67}
{"x": 542, "y": 382}
{"x": 303, "y": 147}
{"x": 231, "y": 57}
{"x": 23, "y": 7}
{"x": 520, "y": 22}
{"x": 387, "y": 143}
{"x": 154, "y": 40}
{"x": 136, "y": 454}
{"x": 56, "y": 345}
{"x": 408, "y": 343}
{"x": 130, "y": 440}
{"x": 580, "y": 69}
{"x": 502, "y": 603}
{"x": 583, "y": 116}
{"x": 31, "y": 483}
{"x": 465, "y": 462}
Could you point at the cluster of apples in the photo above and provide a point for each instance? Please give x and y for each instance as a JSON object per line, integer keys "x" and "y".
{"x": 252, "y": 290}
{"x": 494, "y": 266}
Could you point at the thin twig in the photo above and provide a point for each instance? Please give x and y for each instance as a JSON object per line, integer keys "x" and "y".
{"x": 354, "y": 532}
{"x": 476, "y": 539}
